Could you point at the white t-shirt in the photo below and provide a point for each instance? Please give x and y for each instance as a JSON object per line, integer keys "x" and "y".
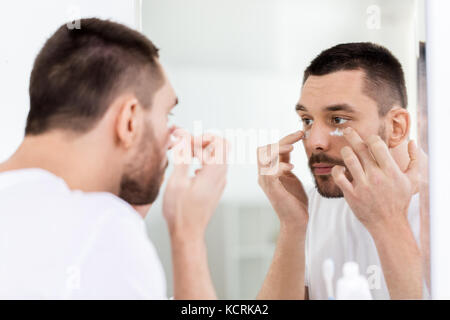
{"x": 335, "y": 232}
{"x": 61, "y": 244}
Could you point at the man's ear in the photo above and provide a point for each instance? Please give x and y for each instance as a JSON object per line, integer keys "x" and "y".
{"x": 399, "y": 123}
{"x": 128, "y": 121}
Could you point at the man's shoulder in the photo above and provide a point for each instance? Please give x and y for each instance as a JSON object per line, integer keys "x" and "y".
{"x": 121, "y": 245}
{"x": 110, "y": 220}
{"x": 50, "y": 202}
{"x": 106, "y": 203}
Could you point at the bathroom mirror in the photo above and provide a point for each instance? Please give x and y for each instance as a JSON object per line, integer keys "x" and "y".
{"x": 237, "y": 68}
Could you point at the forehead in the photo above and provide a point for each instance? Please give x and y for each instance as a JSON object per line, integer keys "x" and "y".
{"x": 165, "y": 96}
{"x": 167, "y": 91}
{"x": 341, "y": 87}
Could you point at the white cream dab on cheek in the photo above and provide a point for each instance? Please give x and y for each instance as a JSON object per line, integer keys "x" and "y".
{"x": 306, "y": 135}
{"x": 337, "y": 133}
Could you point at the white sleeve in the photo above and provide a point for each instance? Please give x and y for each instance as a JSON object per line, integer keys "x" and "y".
{"x": 121, "y": 263}
{"x": 306, "y": 260}
{"x": 309, "y": 192}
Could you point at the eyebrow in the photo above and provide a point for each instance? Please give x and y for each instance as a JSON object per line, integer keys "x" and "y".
{"x": 335, "y": 107}
{"x": 299, "y": 107}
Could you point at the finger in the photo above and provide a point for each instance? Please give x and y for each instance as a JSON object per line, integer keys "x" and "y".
{"x": 339, "y": 177}
{"x": 381, "y": 154}
{"x": 174, "y": 128}
{"x": 216, "y": 152}
{"x": 284, "y": 168}
{"x": 285, "y": 152}
{"x": 285, "y": 148}
{"x": 209, "y": 148}
{"x": 292, "y": 138}
{"x": 200, "y": 142}
{"x": 413, "y": 156}
{"x": 353, "y": 165}
{"x": 359, "y": 147}
{"x": 412, "y": 171}
{"x": 172, "y": 137}
{"x": 214, "y": 156}
{"x": 182, "y": 155}
{"x": 268, "y": 155}
{"x": 180, "y": 134}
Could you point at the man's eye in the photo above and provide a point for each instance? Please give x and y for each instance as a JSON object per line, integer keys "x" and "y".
{"x": 307, "y": 122}
{"x": 339, "y": 120}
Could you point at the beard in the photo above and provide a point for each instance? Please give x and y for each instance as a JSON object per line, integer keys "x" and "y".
{"x": 143, "y": 176}
{"x": 325, "y": 184}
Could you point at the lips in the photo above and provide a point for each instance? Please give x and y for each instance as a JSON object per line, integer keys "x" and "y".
{"x": 322, "y": 168}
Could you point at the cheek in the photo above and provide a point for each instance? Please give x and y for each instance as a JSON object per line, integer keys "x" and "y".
{"x": 367, "y": 128}
{"x": 165, "y": 145}
{"x": 308, "y": 150}
{"x": 161, "y": 131}
{"x": 338, "y": 144}
{"x": 161, "y": 127}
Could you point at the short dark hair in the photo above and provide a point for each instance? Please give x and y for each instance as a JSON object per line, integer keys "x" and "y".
{"x": 385, "y": 81}
{"x": 79, "y": 72}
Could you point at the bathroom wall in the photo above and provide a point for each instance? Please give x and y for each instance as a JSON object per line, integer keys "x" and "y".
{"x": 26, "y": 24}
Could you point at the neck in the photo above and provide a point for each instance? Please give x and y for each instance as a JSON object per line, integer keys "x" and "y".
{"x": 82, "y": 164}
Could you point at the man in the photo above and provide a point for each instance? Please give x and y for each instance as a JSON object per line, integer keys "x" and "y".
{"x": 74, "y": 194}
{"x": 355, "y": 134}
{"x": 95, "y": 143}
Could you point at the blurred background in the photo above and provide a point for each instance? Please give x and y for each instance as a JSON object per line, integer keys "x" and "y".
{"x": 237, "y": 68}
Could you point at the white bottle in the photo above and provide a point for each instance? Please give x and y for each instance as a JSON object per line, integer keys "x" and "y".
{"x": 328, "y": 273}
{"x": 352, "y": 286}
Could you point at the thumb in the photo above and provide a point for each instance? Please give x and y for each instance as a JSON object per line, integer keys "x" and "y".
{"x": 182, "y": 154}
{"x": 413, "y": 167}
{"x": 338, "y": 174}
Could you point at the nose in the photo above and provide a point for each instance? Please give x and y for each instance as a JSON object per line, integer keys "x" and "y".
{"x": 319, "y": 137}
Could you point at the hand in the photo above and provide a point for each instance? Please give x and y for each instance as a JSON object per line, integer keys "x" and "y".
{"x": 380, "y": 192}
{"x": 423, "y": 170}
{"x": 282, "y": 187}
{"x": 189, "y": 202}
